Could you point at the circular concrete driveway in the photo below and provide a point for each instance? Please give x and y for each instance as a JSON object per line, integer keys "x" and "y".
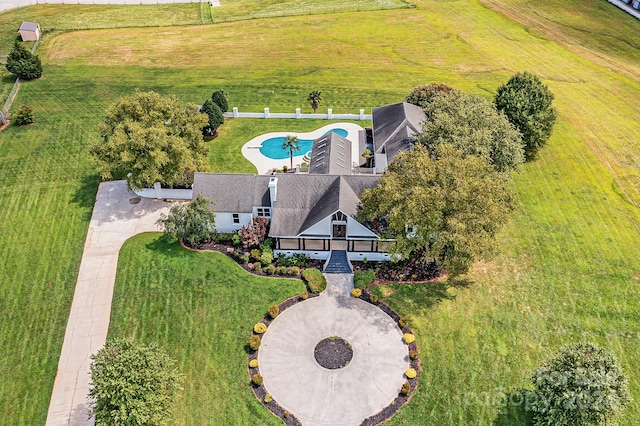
{"x": 346, "y": 396}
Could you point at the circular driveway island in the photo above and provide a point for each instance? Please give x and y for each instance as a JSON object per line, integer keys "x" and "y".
{"x": 344, "y": 396}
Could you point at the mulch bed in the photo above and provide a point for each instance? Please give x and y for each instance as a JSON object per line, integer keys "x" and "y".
{"x": 333, "y": 353}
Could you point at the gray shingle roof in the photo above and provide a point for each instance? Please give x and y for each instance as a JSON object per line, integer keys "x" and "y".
{"x": 302, "y": 200}
{"x": 28, "y": 26}
{"x": 233, "y": 193}
{"x": 394, "y": 127}
{"x": 331, "y": 154}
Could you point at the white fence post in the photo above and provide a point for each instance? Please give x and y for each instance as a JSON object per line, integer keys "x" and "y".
{"x": 158, "y": 190}
{"x": 235, "y": 112}
{"x": 266, "y": 113}
{"x": 297, "y": 112}
{"x": 361, "y": 114}
{"x": 329, "y": 114}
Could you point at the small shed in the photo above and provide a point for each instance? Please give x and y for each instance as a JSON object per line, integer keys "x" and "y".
{"x": 29, "y": 31}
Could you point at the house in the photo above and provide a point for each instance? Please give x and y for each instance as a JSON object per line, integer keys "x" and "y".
{"x": 309, "y": 213}
{"x": 331, "y": 154}
{"x": 29, "y": 31}
{"x": 394, "y": 129}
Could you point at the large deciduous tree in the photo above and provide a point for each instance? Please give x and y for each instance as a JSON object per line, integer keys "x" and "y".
{"x": 526, "y": 102}
{"x": 154, "y": 138}
{"x": 22, "y": 63}
{"x": 472, "y": 124}
{"x": 424, "y": 94}
{"x": 132, "y": 384}
{"x": 193, "y": 222}
{"x": 446, "y": 208}
{"x": 582, "y": 385}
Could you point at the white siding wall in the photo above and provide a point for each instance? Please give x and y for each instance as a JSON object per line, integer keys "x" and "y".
{"x": 224, "y": 221}
{"x": 355, "y": 228}
{"x": 321, "y": 228}
{"x": 381, "y": 163}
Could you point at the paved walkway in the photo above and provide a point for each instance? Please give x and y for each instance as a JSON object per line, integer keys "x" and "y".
{"x": 113, "y": 221}
{"x": 345, "y": 397}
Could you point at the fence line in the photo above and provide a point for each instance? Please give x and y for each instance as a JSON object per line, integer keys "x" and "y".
{"x": 268, "y": 114}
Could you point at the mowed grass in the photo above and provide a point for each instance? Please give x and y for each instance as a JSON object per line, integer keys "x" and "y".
{"x": 201, "y": 307}
{"x": 568, "y": 266}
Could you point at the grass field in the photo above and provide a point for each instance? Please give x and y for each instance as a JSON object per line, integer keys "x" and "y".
{"x": 202, "y": 307}
{"x": 568, "y": 269}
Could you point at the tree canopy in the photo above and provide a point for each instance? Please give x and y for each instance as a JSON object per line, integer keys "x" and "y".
{"x": 446, "y": 209}
{"x": 22, "y": 63}
{"x": 154, "y": 138}
{"x": 193, "y": 222}
{"x": 581, "y": 385}
{"x": 132, "y": 384}
{"x": 472, "y": 124}
{"x": 526, "y": 102}
{"x": 424, "y": 94}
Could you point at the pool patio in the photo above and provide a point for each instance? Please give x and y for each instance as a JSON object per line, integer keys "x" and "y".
{"x": 251, "y": 149}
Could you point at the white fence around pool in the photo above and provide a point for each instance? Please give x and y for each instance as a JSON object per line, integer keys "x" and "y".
{"x": 267, "y": 114}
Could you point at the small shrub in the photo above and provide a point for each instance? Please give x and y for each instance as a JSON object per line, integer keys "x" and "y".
{"x": 253, "y": 363}
{"x": 286, "y": 414}
{"x": 257, "y": 266}
{"x": 235, "y": 239}
{"x": 256, "y": 379}
{"x": 260, "y": 328}
{"x": 413, "y": 354}
{"x": 244, "y": 258}
{"x": 356, "y": 292}
{"x": 402, "y": 322}
{"x": 253, "y": 234}
{"x": 266, "y": 258}
{"x": 273, "y": 311}
{"x": 408, "y": 338}
{"x": 281, "y": 270}
{"x": 293, "y": 271}
{"x": 255, "y": 254}
{"x": 373, "y": 298}
{"x": 225, "y": 237}
{"x": 362, "y": 279}
{"x": 269, "y": 270}
{"x": 410, "y": 373}
{"x": 314, "y": 278}
{"x": 268, "y": 398}
{"x": 254, "y": 342}
{"x": 304, "y": 295}
{"x": 23, "y": 116}
{"x": 406, "y": 388}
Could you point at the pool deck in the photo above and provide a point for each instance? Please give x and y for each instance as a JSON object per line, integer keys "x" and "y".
{"x": 251, "y": 149}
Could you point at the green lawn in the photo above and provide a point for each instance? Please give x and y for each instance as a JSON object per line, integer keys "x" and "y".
{"x": 201, "y": 307}
{"x": 568, "y": 269}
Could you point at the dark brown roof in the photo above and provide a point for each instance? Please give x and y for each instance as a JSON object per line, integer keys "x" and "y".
{"x": 232, "y": 193}
{"x": 395, "y": 126}
{"x": 331, "y": 154}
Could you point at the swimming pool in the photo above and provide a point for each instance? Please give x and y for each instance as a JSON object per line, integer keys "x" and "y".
{"x": 272, "y": 148}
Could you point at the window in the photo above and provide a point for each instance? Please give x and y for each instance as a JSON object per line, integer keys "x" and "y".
{"x": 236, "y": 218}
{"x": 339, "y": 216}
{"x": 264, "y": 211}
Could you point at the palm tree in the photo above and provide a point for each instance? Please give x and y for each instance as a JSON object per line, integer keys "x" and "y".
{"x": 291, "y": 143}
{"x": 367, "y": 154}
{"x": 314, "y": 99}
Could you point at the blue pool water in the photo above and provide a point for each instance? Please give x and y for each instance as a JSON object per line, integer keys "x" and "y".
{"x": 272, "y": 147}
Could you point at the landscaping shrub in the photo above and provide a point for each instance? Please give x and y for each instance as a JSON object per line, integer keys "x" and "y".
{"x": 257, "y": 266}
{"x": 273, "y": 311}
{"x": 299, "y": 259}
{"x": 219, "y": 97}
{"x": 410, "y": 373}
{"x": 356, "y": 292}
{"x": 408, "y": 338}
{"x": 253, "y": 234}
{"x": 402, "y": 322}
{"x": 373, "y": 298}
{"x": 281, "y": 270}
{"x": 23, "y": 116}
{"x": 235, "y": 239}
{"x": 267, "y": 257}
{"x": 268, "y": 398}
{"x": 194, "y": 222}
{"x": 254, "y": 342}
{"x": 244, "y": 258}
{"x": 257, "y": 379}
{"x": 260, "y": 328}
{"x": 304, "y": 295}
{"x": 362, "y": 279}
{"x": 269, "y": 270}
{"x": 406, "y": 388}
{"x": 22, "y": 63}
{"x": 293, "y": 271}
{"x": 314, "y": 278}
{"x": 255, "y": 254}
{"x": 253, "y": 363}
{"x": 413, "y": 354}
{"x": 226, "y": 237}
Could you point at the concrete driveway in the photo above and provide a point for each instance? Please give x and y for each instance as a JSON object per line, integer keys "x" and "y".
{"x": 116, "y": 217}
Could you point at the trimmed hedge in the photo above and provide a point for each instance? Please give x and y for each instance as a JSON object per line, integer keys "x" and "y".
{"x": 314, "y": 278}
